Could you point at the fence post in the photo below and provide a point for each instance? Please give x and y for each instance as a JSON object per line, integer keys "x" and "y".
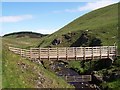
{"x": 66, "y": 53}
{"x": 30, "y": 53}
{"x": 39, "y": 53}
{"x": 75, "y": 53}
{"x": 57, "y": 54}
{"x": 108, "y": 51}
{"x": 48, "y": 54}
{"x": 116, "y": 51}
{"x": 100, "y": 53}
{"x": 20, "y": 52}
{"x": 92, "y": 53}
{"x": 84, "y": 56}
{"x": 25, "y": 53}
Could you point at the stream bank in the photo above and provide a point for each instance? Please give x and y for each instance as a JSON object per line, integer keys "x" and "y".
{"x": 61, "y": 69}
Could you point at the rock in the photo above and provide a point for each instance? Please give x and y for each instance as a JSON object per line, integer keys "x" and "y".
{"x": 115, "y": 75}
{"x": 56, "y": 42}
{"x": 106, "y": 78}
{"x": 97, "y": 79}
{"x": 67, "y": 36}
{"x": 81, "y": 41}
{"x": 39, "y": 86}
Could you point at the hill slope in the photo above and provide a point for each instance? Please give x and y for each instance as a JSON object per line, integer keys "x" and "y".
{"x": 101, "y": 24}
{"x": 18, "y": 72}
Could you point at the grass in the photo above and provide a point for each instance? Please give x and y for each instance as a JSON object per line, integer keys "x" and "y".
{"x": 114, "y": 85}
{"x": 13, "y": 76}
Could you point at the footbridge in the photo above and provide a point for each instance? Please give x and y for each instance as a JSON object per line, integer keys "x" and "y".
{"x": 67, "y": 53}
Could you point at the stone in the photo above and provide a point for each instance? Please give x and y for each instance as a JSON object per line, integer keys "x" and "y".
{"x": 56, "y": 41}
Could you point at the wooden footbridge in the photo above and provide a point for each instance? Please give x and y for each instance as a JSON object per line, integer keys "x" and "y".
{"x": 67, "y": 53}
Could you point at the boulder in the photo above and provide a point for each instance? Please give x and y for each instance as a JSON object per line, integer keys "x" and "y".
{"x": 56, "y": 41}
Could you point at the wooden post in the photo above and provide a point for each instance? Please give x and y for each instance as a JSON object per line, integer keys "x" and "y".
{"x": 100, "y": 53}
{"x": 57, "y": 54}
{"x": 25, "y": 53}
{"x": 66, "y": 53}
{"x": 108, "y": 51}
{"x": 66, "y": 78}
{"x": 20, "y": 52}
{"x": 48, "y": 54}
{"x": 30, "y": 53}
{"x": 84, "y": 56}
{"x": 75, "y": 53}
{"x": 39, "y": 53}
{"x": 92, "y": 53}
{"x": 116, "y": 51}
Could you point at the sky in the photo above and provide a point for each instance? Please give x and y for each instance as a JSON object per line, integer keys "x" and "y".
{"x": 44, "y": 17}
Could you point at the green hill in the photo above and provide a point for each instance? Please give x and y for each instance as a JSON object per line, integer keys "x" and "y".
{"x": 25, "y": 34}
{"x": 101, "y": 24}
{"x": 23, "y": 39}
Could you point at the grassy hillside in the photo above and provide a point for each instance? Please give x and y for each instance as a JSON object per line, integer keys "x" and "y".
{"x": 101, "y": 23}
{"x": 21, "y": 73}
{"x": 23, "y": 39}
{"x": 23, "y": 42}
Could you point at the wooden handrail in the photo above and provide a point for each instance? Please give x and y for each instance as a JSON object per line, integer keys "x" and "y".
{"x": 68, "y": 52}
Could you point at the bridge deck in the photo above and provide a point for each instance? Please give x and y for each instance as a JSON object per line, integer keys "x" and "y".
{"x": 67, "y": 53}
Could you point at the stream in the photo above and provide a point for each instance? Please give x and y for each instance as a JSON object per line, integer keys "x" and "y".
{"x": 61, "y": 70}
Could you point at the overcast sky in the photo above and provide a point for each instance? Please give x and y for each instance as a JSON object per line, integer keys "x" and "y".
{"x": 44, "y": 17}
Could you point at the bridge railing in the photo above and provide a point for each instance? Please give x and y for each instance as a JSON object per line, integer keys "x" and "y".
{"x": 80, "y": 78}
{"x": 67, "y": 52}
